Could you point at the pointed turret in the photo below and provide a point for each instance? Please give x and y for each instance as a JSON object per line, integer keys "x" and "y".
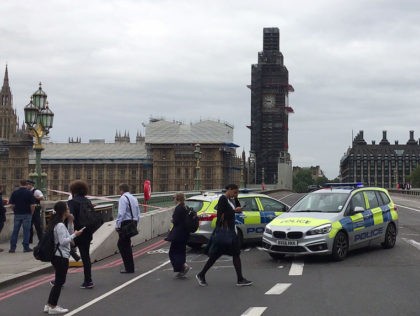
{"x": 5, "y": 93}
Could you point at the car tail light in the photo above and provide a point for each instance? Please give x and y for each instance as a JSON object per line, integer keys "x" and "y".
{"x": 207, "y": 217}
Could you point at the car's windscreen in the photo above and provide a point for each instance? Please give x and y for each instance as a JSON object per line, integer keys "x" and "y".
{"x": 194, "y": 204}
{"x": 321, "y": 202}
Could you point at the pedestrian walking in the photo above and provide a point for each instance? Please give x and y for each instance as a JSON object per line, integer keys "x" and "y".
{"x": 79, "y": 190}
{"x": 226, "y": 219}
{"x": 128, "y": 211}
{"x": 23, "y": 203}
{"x": 60, "y": 260}
{"x": 178, "y": 236}
{"x": 2, "y": 212}
{"x": 36, "y": 216}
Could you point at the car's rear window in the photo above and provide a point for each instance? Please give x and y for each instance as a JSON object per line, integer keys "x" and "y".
{"x": 196, "y": 205}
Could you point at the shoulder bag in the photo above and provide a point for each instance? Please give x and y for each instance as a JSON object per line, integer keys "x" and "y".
{"x": 130, "y": 228}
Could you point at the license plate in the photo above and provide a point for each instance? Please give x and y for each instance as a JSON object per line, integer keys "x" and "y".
{"x": 287, "y": 242}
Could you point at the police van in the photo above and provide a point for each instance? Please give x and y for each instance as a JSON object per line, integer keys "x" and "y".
{"x": 258, "y": 210}
{"x": 333, "y": 220}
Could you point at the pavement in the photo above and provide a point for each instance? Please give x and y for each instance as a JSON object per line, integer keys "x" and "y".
{"x": 19, "y": 265}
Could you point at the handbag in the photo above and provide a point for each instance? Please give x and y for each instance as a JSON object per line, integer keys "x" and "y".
{"x": 130, "y": 229}
{"x": 222, "y": 240}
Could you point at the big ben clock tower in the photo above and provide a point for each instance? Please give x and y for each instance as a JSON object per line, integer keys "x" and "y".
{"x": 269, "y": 110}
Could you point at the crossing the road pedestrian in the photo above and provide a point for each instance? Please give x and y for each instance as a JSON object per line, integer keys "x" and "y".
{"x": 225, "y": 225}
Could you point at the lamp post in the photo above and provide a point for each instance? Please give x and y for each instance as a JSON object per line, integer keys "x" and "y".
{"x": 39, "y": 120}
{"x": 197, "y": 156}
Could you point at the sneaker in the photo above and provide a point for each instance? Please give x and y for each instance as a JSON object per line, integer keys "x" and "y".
{"x": 46, "y": 308}
{"x": 12, "y": 250}
{"x": 87, "y": 285}
{"x": 186, "y": 269}
{"x": 57, "y": 310}
{"x": 201, "y": 280}
{"x": 244, "y": 282}
{"x": 1, "y": 249}
{"x": 28, "y": 250}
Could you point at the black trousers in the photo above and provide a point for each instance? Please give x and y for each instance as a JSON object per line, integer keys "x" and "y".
{"x": 177, "y": 255}
{"x": 36, "y": 221}
{"x": 84, "y": 248}
{"x": 61, "y": 265}
{"x": 124, "y": 246}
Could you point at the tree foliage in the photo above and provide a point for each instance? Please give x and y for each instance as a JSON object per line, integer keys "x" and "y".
{"x": 415, "y": 177}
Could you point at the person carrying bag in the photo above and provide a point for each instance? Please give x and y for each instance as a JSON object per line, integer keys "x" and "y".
{"x": 224, "y": 239}
{"x": 126, "y": 226}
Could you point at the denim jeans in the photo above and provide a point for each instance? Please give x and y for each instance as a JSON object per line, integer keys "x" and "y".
{"x": 25, "y": 221}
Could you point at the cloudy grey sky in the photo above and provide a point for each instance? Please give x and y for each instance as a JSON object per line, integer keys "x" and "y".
{"x": 110, "y": 65}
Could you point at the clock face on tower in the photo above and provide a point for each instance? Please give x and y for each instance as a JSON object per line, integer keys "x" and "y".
{"x": 269, "y": 101}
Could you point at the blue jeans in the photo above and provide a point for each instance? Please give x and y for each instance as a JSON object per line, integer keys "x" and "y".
{"x": 25, "y": 221}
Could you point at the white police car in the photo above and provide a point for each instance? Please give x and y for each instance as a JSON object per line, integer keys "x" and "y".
{"x": 334, "y": 220}
{"x": 258, "y": 210}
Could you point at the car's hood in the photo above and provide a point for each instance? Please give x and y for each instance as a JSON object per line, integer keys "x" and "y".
{"x": 307, "y": 219}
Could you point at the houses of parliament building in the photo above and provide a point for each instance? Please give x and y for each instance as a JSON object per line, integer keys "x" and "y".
{"x": 174, "y": 156}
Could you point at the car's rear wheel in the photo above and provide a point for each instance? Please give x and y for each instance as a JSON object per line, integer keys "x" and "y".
{"x": 276, "y": 256}
{"x": 390, "y": 236}
{"x": 340, "y": 247}
{"x": 194, "y": 245}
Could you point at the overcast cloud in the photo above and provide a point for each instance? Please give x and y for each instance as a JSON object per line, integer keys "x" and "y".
{"x": 111, "y": 65}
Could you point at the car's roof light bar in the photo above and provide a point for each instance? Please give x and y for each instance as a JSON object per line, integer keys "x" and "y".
{"x": 347, "y": 185}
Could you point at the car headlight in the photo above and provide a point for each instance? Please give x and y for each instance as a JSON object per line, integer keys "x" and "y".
{"x": 320, "y": 230}
{"x": 268, "y": 231}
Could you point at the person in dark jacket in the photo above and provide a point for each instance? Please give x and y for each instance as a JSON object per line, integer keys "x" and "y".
{"x": 226, "y": 210}
{"x": 79, "y": 190}
{"x": 178, "y": 236}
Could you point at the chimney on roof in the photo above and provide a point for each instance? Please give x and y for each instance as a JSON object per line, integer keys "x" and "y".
{"x": 411, "y": 141}
{"x": 384, "y": 140}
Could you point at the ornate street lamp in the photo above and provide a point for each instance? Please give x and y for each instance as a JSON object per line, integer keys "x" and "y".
{"x": 197, "y": 156}
{"x": 39, "y": 120}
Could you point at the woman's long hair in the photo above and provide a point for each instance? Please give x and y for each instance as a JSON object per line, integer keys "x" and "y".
{"x": 60, "y": 208}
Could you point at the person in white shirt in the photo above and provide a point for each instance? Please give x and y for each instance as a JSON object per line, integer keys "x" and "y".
{"x": 128, "y": 210}
{"x": 60, "y": 261}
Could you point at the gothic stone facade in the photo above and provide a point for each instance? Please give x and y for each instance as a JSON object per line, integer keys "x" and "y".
{"x": 383, "y": 164}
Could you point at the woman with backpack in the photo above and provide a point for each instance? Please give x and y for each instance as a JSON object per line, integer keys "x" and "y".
{"x": 178, "y": 236}
{"x": 77, "y": 205}
{"x": 60, "y": 260}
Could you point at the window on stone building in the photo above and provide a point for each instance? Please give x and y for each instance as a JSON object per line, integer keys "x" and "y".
{"x": 100, "y": 173}
{"x": 100, "y": 189}
{"x": 89, "y": 173}
{"x": 111, "y": 189}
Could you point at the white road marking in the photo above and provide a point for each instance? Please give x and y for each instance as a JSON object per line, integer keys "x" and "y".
{"x": 412, "y": 242}
{"x": 296, "y": 268}
{"x": 75, "y": 311}
{"x": 278, "y": 289}
{"x": 254, "y": 311}
{"x": 410, "y": 208}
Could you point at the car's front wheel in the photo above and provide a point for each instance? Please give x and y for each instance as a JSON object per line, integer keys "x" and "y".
{"x": 390, "y": 236}
{"x": 340, "y": 247}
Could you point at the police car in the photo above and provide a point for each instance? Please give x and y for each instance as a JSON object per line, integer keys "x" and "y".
{"x": 258, "y": 210}
{"x": 334, "y": 220}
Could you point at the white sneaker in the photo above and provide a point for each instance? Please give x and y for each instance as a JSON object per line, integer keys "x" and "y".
{"x": 57, "y": 310}
{"x": 46, "y": 308}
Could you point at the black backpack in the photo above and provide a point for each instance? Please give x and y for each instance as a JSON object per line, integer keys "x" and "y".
{"x": 88, "y": 217}
{"x": 191, "y": 220}
{"x": 46, "y": 247}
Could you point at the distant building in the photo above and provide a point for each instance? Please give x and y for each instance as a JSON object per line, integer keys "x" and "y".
{"x": 165, "y": 155}
{"x": 171, "y": 147}
{"x": 270, "y": 112}
{"x": 15, "y": 143}
{"x": 383, "y": 164}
